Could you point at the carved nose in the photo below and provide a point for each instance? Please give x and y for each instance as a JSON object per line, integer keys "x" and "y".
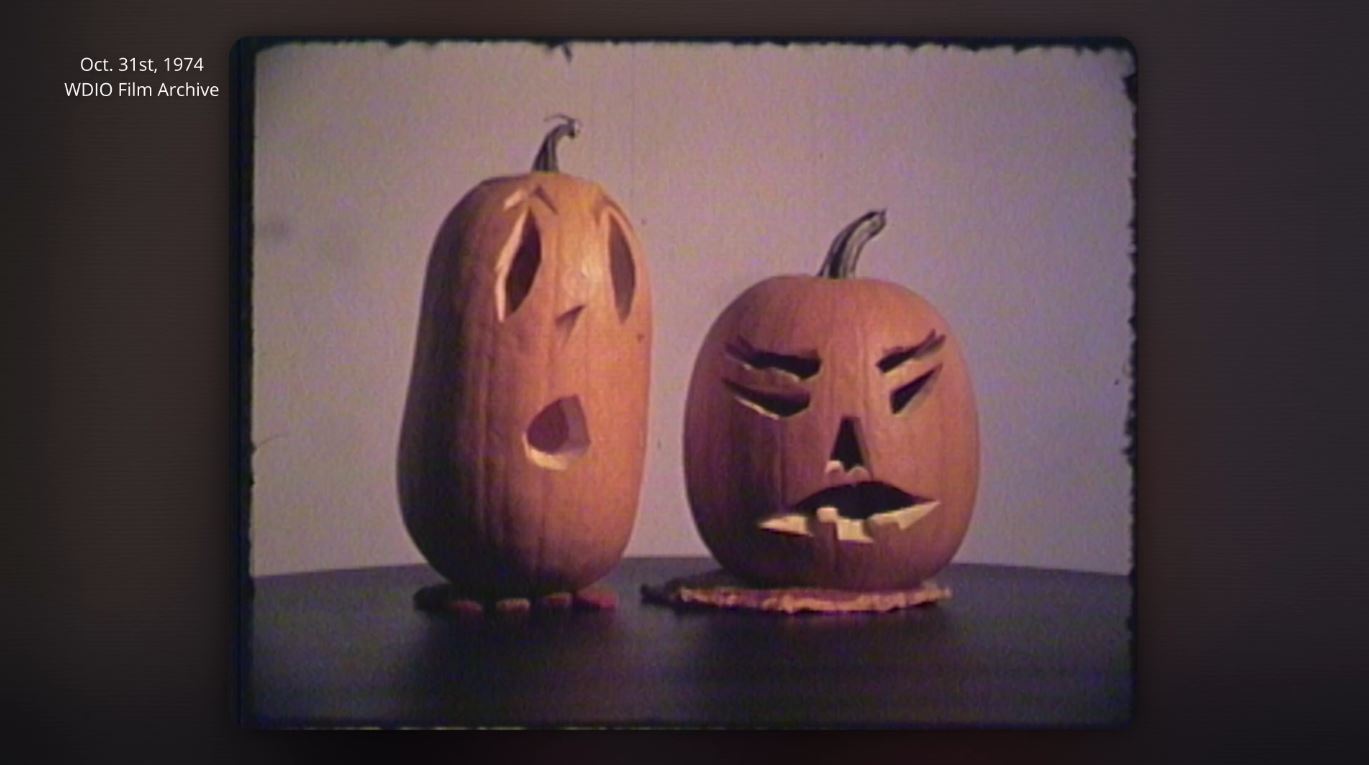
{"x": 566, "y": 322}
{"x": 848, "y": 453}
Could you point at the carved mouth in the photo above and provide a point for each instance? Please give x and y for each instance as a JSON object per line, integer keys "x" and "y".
{"x": 558, "y": 435}
{"x": 854, "y": 510}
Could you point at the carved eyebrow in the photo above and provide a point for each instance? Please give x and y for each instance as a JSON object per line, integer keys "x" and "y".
{"x": 900, "y": 356}
{"x": 800, "y": 366}
{"x": 520, "y": 196}
{"x": 541, "y": 193}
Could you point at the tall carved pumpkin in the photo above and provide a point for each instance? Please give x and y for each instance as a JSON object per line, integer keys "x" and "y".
{"x": 524, "y": 432}
{"x": 831, "y": 437}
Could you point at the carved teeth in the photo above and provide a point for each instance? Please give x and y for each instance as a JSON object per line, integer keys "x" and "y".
{"x": 903, "y": 517}
{"x": 848, "y": 529}
{"x": 793, "y": 523}
{"x": 852, "y": 530}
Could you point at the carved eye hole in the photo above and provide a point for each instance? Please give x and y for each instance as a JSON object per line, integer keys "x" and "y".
{"x": 905, "y": 395}
{"x": 773, "y": 404}
{"x": 801, "y": 366}
{"x": 900, "y": 356}
{"x": 517, "y": 267}
{"x": 621, "y": 268}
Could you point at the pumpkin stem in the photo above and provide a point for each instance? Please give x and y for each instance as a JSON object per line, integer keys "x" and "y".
{"x": 845, "y": 249}
{"x": 546, "y": 156}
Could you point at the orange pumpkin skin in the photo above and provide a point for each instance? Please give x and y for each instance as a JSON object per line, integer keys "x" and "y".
{"x": 767, "y": 447}
{"x": 524, "y": 432}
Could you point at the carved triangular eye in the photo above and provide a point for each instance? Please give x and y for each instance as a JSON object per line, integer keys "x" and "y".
{"x": 622, "y": 269}
{"x": 774, "y": 404}
{"x": 906, "y": 394}
{"x": 517, "y": 268}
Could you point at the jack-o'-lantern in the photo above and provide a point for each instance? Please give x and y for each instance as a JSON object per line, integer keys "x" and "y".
{"x": 524, "y": 432}
{"x": 831, "y": 438}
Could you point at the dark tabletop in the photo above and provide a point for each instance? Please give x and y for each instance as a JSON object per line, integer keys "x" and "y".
{"x": 1012, "y": 647}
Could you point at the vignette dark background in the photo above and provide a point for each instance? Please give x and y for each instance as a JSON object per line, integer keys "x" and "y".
{"x": 118, "y": 326}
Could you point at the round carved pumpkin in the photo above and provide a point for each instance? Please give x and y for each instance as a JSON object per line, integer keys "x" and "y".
{"x": 524, "y": 432}
{"x": 831, "y": 437}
